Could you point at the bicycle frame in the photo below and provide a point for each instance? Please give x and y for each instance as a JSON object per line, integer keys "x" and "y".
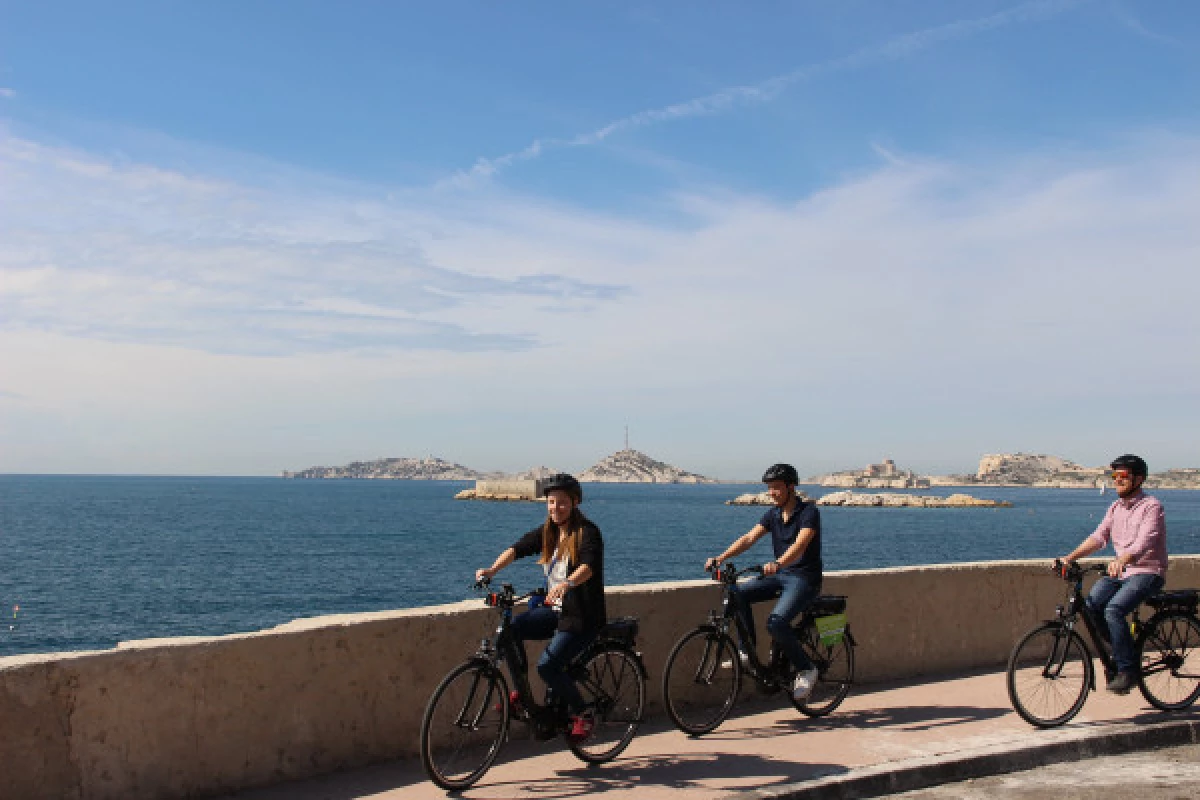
{"x": 720, "y": 623}
{"x": 503, "y": 647}
{"x": 1076, "y": 608}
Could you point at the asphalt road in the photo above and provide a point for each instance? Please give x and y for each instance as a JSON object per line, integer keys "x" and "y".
{"x": 1172, "y": 773}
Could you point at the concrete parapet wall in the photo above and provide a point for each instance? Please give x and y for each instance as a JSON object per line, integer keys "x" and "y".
{"x": 191, "y": 717}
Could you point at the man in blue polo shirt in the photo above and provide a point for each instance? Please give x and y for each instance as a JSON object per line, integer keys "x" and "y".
{"x": 794, "y": 575}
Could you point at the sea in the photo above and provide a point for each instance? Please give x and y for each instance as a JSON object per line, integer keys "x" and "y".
{"x": 90, "y": 561}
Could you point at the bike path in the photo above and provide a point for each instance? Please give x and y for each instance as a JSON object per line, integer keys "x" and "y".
{"x": 952, "y": 725}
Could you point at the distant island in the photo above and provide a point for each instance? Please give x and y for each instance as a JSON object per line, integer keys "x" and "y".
{"x": 1003, "y": 469}
{"x": 623, "y": 466}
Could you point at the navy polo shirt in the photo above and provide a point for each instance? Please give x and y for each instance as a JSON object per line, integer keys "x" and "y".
{"x": 783, "y": 535}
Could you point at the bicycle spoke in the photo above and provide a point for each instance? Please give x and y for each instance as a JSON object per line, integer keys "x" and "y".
{"x": 464, "y": 726}
{"x": 701, "y": 681}
{"x": 1048, "y": 676}
{"x": 1170, "y": 668}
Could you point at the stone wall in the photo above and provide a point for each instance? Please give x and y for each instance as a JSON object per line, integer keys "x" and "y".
{"x": 190, "y": 717}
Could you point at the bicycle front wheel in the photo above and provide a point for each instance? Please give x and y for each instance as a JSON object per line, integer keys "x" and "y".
{"x": 701, "y": 681}
{"x": 1049, "y": 674}
{"x": 1170, "y": 648}
{"x": 614, "y": 688}
{"x": 464, "y": 725}
{"x": 835, "y": 673}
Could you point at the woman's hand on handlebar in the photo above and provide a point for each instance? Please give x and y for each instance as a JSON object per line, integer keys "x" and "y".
{"x": 554, "y": 596}
{"x": 484, "y": 575}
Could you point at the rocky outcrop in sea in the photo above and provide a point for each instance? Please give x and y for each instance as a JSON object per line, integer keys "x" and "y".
{"x": 631, "y": 466}
{"x": 898, "y": 500}
{"x": 758, "y": 499}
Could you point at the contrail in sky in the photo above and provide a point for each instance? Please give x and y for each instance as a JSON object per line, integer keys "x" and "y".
{"x": 727, "y": 99}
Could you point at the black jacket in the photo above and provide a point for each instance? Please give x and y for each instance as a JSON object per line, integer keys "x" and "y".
{"x": 583, "y": 607}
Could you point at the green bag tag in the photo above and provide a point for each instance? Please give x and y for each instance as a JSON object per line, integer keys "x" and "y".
{"x": 831, "y": 628}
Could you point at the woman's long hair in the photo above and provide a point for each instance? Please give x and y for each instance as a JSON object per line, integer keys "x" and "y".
{"x": 570, "y": 540}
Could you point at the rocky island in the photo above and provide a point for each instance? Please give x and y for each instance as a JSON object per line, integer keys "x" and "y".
{"x": 1004, "y": 469}
{"x": 898, "y": 500}
{"x": 885, "y": 475}
{"x": 632, "y": 466}
{"x": 403, "y": 469}
{"x": 878, "y": 500}
{"x": 624, "y": 466}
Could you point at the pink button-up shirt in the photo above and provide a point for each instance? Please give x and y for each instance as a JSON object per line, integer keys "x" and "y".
{"x": 1136, "y": 526}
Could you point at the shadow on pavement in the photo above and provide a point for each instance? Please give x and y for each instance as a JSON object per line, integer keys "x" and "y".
{"x": 685, "y": 771}
{"x": 909, "y": 718}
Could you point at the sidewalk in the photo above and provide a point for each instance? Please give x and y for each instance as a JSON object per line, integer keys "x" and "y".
{"x": 882, "y": 738}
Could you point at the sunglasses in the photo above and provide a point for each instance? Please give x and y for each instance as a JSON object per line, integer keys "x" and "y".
{"x": 1121, "y": 474}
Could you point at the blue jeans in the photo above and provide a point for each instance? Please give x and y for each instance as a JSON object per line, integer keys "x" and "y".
{"x": 795, "y": 591}
{"x": 1111, "y": 600}
{"x": 541, "y": 623}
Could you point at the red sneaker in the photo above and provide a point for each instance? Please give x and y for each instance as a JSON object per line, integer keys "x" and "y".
{"x": 581, "y": 728}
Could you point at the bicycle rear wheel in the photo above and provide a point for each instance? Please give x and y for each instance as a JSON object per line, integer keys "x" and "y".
{"x": 835, "y": 673}
{"x": 464, "y": 725}
{"x": 615, "y": 689}
{"x": 1170, "y": 652}
{"x": 701, "y": 680}
{"x": 1049, "y": 674}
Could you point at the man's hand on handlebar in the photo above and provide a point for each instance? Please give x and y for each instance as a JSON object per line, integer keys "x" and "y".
{"x": 712, "y": 564}
{"x": 770, "y": 568}
{"x": 484, "y": 575}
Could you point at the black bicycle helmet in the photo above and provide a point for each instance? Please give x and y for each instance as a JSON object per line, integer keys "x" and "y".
{"x": 781, "y": 472}
{"x": 1135, "y": 464}
{"x": 564, "y": 482}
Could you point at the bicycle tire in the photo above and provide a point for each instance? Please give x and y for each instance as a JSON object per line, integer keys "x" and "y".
{"x": 464, "y": 725}
{"x": 1169, "y": 678}
{"x": 1049, "y": 665}
{"x": 702, "y": 659}
{"x": 614, "y": 687}
{"x": 835, "y": 673}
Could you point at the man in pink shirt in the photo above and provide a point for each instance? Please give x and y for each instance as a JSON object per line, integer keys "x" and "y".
{"x": 1138, "y": 531}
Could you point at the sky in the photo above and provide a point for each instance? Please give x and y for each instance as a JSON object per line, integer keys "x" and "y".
{"x": 238, "y": 238}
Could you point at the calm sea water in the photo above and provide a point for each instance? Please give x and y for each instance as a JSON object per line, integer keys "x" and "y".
{"x": 96, "y": 560}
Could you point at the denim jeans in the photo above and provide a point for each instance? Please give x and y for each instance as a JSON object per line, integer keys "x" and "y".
{"x": 795, "y": 591}
{"x": 541, "y": 623}
{"x": 1110, "y": 601}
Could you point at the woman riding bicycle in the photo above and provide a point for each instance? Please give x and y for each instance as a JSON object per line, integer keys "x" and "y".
{"x": 571, "y": 552}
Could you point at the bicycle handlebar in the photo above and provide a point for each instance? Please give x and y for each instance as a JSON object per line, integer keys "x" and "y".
{"x": 728, "y": 573}
{"x": 507, "y": 596}
{"x": 1073, "y": 571}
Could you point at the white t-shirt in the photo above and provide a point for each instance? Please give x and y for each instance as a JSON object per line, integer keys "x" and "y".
{"x": 556, "y": 573}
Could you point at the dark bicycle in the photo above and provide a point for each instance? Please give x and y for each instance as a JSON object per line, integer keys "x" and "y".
{"x": 704, "y": 671}
{"x": 1050, "y": 671}
{"x": 469, "y": 713}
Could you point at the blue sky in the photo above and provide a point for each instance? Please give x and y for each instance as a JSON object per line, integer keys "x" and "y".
{"x": 244, "y": 237}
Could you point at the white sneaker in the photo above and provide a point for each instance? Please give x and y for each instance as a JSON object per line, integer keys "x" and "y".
{"x": 802, "y": 686}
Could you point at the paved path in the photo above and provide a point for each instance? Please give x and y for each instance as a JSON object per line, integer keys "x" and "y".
{"x": 914, "y": 728}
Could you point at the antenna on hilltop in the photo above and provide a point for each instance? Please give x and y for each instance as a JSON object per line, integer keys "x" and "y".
{"x": 626, "y": 437}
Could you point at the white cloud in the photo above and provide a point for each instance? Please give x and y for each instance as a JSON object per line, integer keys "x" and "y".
{"x": 737, "y": 96}
{"x": 7, "y": 93}
{"x": 923, "y": 300}
{"x": 130, "y": 252}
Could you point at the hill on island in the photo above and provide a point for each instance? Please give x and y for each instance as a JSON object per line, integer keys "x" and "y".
{"x": 624, "y": 466}
{"x": 632, "y": 466}
{"x": 406, "y": 469}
